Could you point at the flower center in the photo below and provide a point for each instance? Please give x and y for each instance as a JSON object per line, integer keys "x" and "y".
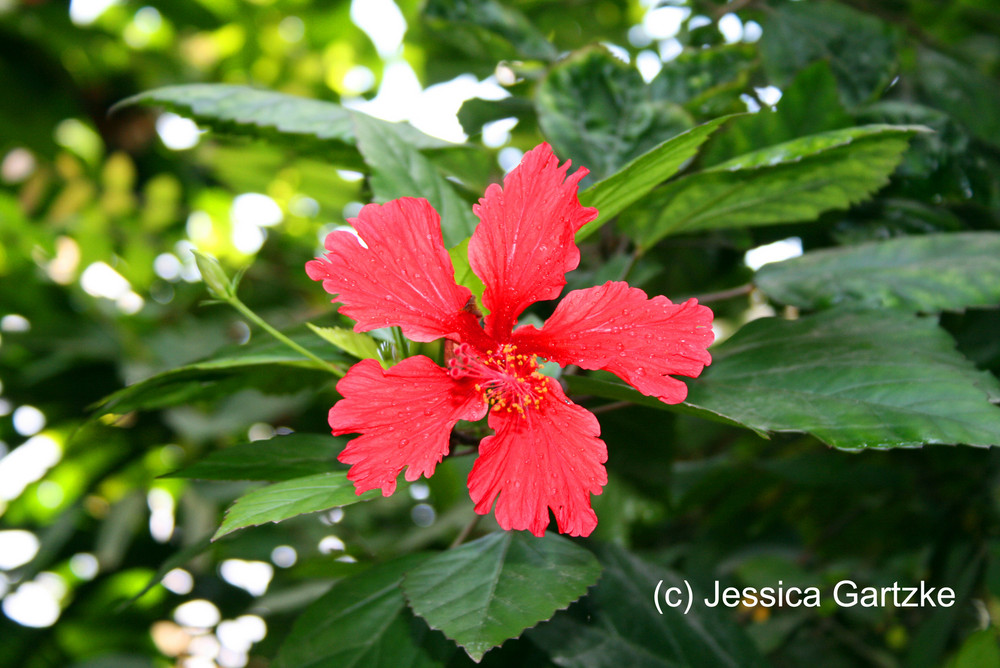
{"x": 508, "y": 380}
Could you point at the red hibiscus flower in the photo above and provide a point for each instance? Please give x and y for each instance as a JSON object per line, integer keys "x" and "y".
{"x": 545, "y": 452}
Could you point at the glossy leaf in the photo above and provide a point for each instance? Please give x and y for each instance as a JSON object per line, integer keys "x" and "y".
{"x": 853, "y": 379}
{"x": 490, "y": 590}
{"x": 597, "y": 111}
{"x": 923, "y": 273}
{"x": 278, "y": 458}
{"x": 362, "y": 622}
{"x": 618, "y": 624}
{"x": 401, "y": 171}
{"x": 283, "y": 500}
{"x": 790, "y": 182}
{"x": 636, "y": 179}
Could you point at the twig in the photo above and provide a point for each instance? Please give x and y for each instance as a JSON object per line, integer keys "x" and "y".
{"x": 460, "y": 538}
{"x": 722, "y": 295}
{"x": 607, "y": 408}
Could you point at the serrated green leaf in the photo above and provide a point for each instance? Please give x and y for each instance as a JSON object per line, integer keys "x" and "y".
{"x": 633, "y": 181}
{"x": 240, "y": 110}
{"x": 790, "y": 182}
{"x": 924, "y": 273}
{"x": 853, "y": 379}
{"x": 278, "y": 458}
{"x": 401, "y": 171}
{"x": 353, "y": 343}
{"x": 362, "y": 622}
{"x": 597, "y": 111}
{"x": 492, "y": 589}
{"x": 297, "y": 496}
{"x": 618, "y": 624}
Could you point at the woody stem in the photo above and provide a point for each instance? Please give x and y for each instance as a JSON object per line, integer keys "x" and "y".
{"x": 460, "y": 538}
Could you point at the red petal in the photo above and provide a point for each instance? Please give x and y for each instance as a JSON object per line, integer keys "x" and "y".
{"x": 404, "y": 277}
{"x": 617, "y": 328}
{"x": 404, "y": 415}
{"x": 550, "y": 458}
{"x": 524, "y": 243}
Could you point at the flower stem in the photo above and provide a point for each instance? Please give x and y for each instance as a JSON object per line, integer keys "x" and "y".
{"x": 468, "y": 529}
{"x": 722, "y": 295}
{"x": 256, "y": 319}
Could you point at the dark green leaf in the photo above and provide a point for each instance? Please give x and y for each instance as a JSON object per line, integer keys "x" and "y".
{"x": 790, "y": 182}
{"x": 401, "y": 171}
{"x": 618, "y": 625}
{"x": 959, "y": 89}
{"x": 297, "y": 496}
{"x": 363, "y": 622}
{"x": 615, "y": 193}
{"x": 490, "y": 590}
{"x": 860, "y": 48}
{"x": 476, "y": 25}
{"x": 239, "y": 110}
{"x": 925, "y": 273}
{"x": 597, "y": 111}
{"x": 278, "y": 458}
{"x": 854, "y": 379}
{"x": 264, "y": 364}
{"x": 697, "y": 75}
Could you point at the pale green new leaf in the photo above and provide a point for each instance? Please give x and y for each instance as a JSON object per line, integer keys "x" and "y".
{"x": 353, "y": 343}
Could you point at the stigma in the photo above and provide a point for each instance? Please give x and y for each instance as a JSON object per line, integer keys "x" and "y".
{"x": 506, "y": 379}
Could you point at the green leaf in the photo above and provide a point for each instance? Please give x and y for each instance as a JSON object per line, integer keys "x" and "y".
{"x": 239, "y": 110}
{"x": 962, "y": 91}
{"x": 362, "y": 622}
{"x": 464, "y": 274}
{"x": 633, "y": 181}
{"x": 790, "y": 182}
{"x": 278, "y": 458}
{"x": 492, "y": 589}
{"x": 476, "y": 25}
{"x": 923, "y": 273}
{"x": 618, "y": 624}
{"x": 283, "y": 500}
{"x": 264, "y": 364}
{"x": 860, "y": 48}
{"x": 401, "y": 171}
{"x": 853, "y": 379}
{"x": 696, "y": 76}
{"x": 353, "y": 343}
{"x": 597, "y": 111}
{"x": 176, "y": 560}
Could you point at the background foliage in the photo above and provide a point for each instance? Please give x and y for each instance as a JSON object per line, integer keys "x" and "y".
{"x": 133, "y": 414}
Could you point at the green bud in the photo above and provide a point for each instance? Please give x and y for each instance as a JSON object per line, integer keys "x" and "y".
{"x": 219, "y": 285}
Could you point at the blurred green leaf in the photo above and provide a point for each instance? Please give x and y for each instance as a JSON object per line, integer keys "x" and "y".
{"x": 401, "y": 171}
{"x": 618, "y": 625}
{"x": 790, "y": 182}
{"x": 853, "y": 379}
{"x": 963, "y": 92}
{"x": 492, "y": 589}
{"x": 633, "y": 181}
{"x": 980, "y": 650}
{"x": 363, "y": 622}
{"x": 463, "y": 272}
{"x": 476, "y": 26}
{"x": 297, "y": 496}
{"x": 278, "y": 458}
{"x": 597, "y": 111}
{"x": 924, "y": 273}
{"x": 860, "y": 48}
